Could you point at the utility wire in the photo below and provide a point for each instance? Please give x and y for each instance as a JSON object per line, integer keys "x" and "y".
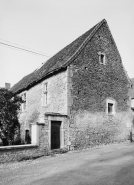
{"x": 22, "y": 48}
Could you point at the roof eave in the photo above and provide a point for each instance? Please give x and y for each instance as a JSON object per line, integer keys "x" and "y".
{"x": 39, "y": 80}
{"x": 69, "y": 61}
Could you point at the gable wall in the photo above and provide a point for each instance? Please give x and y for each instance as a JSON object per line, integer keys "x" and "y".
{"x": 92, "y": 84}
{"x": 57, "y": 100}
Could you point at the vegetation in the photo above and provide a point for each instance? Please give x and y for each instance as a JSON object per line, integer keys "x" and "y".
{"x": 9, "y": 124}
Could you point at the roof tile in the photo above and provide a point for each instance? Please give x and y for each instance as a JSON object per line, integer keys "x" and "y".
{"x": 58, "y": 61}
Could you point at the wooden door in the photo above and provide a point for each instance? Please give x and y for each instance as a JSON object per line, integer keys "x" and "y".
{"x": 55, "y": 134}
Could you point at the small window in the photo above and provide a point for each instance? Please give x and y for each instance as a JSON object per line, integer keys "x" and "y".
{"x": 110, "y": 107}
{"x": 45, "y": 95}
{"x": 23, "y": 106}
{"x": 45, "y": 86}
{"x": 101, "y": 58}
{"x": 132, "y": 103}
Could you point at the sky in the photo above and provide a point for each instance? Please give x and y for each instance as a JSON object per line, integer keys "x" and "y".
{"x": 46, "y": 26}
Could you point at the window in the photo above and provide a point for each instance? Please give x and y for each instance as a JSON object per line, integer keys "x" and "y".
{"x": 110, "y": 107}
{"x": 23, "y": 106}
{"x": 101, "y": 58}
{"x": 27, "y": 137}
{"x": 45, "y": 95}
{"x": 132, "y": 103}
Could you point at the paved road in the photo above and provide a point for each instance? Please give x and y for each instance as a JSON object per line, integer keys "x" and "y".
{"x": 105, "y": 165}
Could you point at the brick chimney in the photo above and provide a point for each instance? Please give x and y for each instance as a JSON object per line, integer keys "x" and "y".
{"x": 7, "y": 86}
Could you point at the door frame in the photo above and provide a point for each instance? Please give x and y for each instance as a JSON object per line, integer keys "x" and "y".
{"x": 60, "y": 118}
{"x": 53, "y": 124}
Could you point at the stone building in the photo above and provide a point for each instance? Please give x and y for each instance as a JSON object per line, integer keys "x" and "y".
{"x": 80, "y": 95}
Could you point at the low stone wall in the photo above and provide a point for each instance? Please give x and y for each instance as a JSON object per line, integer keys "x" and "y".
{"x": 40, "y": 135}
{"x": 38, "y": 147}
{"x": 19, "y": 152}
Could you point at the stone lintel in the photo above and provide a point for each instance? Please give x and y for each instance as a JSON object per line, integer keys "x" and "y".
{"x": 36, "y": 123}
{"x": 55, "y": 114}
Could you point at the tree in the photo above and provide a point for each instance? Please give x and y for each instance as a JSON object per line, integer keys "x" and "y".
{"x": 9, "y": 109}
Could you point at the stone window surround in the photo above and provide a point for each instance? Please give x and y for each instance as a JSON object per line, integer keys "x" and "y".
{"x": 110, "y": 101}
{"x": 104, "y": 59}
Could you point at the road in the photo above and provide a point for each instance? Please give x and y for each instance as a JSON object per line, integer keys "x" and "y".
{"x": 106, "y": 165}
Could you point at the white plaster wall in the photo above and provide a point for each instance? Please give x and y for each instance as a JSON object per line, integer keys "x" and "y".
{"x": 57, "y": 100}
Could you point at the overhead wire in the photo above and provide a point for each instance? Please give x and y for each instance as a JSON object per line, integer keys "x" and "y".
{"x": 16, "y": 46}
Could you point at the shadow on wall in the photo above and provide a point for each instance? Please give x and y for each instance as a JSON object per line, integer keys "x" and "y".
{"x": 25, "y": 131}
{"x": 33, "y": 117}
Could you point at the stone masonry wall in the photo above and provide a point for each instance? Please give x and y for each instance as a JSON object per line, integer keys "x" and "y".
{"x": 31, "y": 151}
{"x": 92, "y": 84}
{"x": 57, "y": 100}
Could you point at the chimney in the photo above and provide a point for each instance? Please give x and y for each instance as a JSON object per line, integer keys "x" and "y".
{"x": 7, "y": 86}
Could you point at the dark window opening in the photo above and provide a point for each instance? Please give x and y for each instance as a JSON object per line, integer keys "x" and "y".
{"x": 110, "y": 108}
{"x": 102, "y": 61}
{"x": 27, "y": 137}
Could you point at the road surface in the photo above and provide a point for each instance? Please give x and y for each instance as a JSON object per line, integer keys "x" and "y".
{"x": 106, "y": 165}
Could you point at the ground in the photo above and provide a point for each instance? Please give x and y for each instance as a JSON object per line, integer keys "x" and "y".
{"x": 106, "y": 165}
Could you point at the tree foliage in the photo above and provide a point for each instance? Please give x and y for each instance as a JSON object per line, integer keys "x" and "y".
{"x": 9, "y": 109}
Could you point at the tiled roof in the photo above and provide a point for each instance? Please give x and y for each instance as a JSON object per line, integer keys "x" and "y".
{"x": 60, "y": 60}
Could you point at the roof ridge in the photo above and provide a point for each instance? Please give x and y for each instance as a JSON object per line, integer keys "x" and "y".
{"x": 58, "y": 61}
{"x": 85, "y": 42}
{"x": 75, "y": 54}
{"x": 97, "y": 26}
{"x": 119, "y": 55}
